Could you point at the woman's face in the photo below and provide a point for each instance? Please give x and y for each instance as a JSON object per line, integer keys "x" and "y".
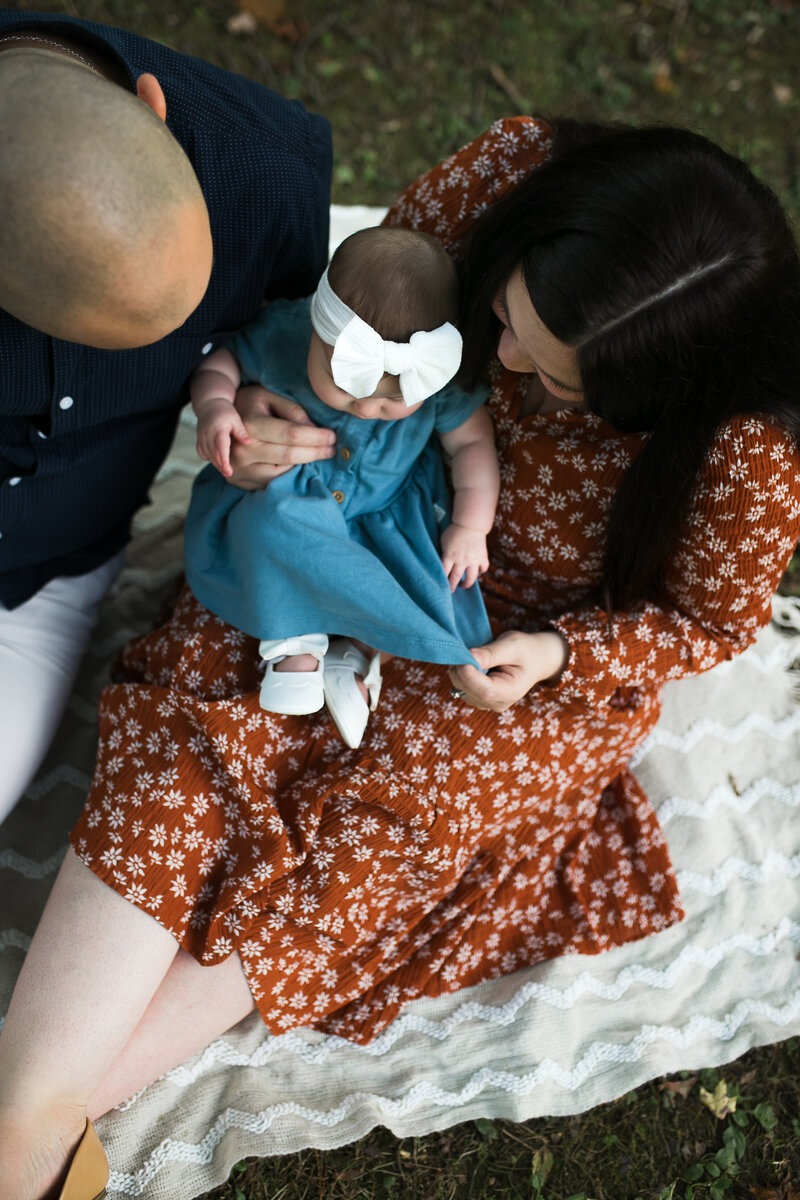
{"x": 527, "y": 345}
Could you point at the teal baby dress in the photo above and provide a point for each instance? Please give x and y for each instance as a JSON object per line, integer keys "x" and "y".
{"x": 347, "y": 546}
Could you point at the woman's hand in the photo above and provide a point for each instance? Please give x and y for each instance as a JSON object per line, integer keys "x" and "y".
{"x": 515, "y": 663}
{"x": 282, "y": 437}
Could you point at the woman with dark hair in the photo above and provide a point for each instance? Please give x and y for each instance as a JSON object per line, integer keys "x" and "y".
{"x": 634, "y": 296}
{"x": 672, "y": 274}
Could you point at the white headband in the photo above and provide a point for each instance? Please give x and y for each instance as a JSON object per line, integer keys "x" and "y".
{"x": 361, "y": 357}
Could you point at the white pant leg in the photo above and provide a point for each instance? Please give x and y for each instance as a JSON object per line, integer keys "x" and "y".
{"x": 42, "y": 643}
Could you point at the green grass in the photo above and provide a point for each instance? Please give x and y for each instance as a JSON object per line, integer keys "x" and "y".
{"x": 651, "y": 1144}
{"x": 404, "y": 83}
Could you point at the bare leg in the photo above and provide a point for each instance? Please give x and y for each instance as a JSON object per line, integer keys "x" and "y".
{"x": 86, "y": 988}
{"x": 193, "y": 1006}
{"x": 306, "y": 662}
{"x": 298, "y": 662}
{"x": 93, "y": 966}
{"x": 368, "y": 650}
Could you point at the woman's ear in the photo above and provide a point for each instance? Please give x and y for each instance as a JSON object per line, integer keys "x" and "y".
{"x": 149, "y": 89}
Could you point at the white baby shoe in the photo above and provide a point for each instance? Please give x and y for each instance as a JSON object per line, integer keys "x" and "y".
{"x": 345, "y": 703}
{"x": 293, "y": 692}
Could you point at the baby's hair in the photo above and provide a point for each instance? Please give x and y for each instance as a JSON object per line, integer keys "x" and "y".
{"x": 399, "y": 281}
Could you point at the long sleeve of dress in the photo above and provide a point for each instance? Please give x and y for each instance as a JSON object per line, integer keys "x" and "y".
{"x": 446, "y": 200}
{"x": 740, "y": 534}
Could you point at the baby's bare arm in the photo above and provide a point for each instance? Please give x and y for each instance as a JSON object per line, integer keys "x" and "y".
{"x": 476, "y": 486}
{"x": 212, "y": 390}
{"x": 217, "y": 378}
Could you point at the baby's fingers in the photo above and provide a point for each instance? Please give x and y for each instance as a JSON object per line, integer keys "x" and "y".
{"x": 221, "y": 457}
{"x": 239, "y": 432}
{"x": 470, "y": 575}
{"x": 454, "y": 573}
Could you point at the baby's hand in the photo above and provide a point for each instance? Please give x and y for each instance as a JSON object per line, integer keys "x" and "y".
{"x": 218, "y": 423}
{"x": 463, "y": 554}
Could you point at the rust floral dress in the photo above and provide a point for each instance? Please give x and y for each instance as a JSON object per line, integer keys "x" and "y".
{"x": 454, "y": 845}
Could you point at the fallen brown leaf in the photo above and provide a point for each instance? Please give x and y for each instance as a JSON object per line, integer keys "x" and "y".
{"x": 662, "y": 79}
{"x": 273, "y": 16}
{"x": 349, "y": 1174}
{"x": 681, "y": 1086}
{"x": 266, "y": 12}
{"x": 290, "y": 30}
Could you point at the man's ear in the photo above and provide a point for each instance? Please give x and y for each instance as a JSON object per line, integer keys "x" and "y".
{"x": 149, "y": 89}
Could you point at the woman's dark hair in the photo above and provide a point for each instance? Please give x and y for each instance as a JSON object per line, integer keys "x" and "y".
{"x": 673, "y": 272}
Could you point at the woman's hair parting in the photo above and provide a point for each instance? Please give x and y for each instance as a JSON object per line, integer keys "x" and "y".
{"x": 397, "y": 280}
{"x": 673, "y": 272}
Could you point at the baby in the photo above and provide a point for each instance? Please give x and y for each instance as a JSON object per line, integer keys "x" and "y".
{"x": 361, "y": 545}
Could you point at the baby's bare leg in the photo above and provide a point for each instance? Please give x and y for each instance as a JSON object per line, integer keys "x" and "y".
{"x": 297, "y": 662}
{"x": 369, "y": 651}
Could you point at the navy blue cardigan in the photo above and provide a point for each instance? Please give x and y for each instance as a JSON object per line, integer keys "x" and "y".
{"x": 83, "y": 431}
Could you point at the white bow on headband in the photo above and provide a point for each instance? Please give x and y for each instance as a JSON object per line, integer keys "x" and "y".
{"x": 361, "y": 357}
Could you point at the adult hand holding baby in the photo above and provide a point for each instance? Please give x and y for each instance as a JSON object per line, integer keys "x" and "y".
{"x": 282, "y": 437}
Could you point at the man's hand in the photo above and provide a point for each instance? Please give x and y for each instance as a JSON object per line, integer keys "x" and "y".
{"x": 515, "y": 662}
{"x": 464, "y": 554}
{"x": 281, "y": 437}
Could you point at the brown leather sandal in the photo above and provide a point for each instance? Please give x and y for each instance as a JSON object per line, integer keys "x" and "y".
{"x": 88, "y": 1172}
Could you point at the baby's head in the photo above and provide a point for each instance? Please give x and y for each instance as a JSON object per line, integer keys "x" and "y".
{"x": 384, "y": 324}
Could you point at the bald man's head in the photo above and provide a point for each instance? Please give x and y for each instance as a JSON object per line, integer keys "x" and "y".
{"x": 104, "y": 237}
